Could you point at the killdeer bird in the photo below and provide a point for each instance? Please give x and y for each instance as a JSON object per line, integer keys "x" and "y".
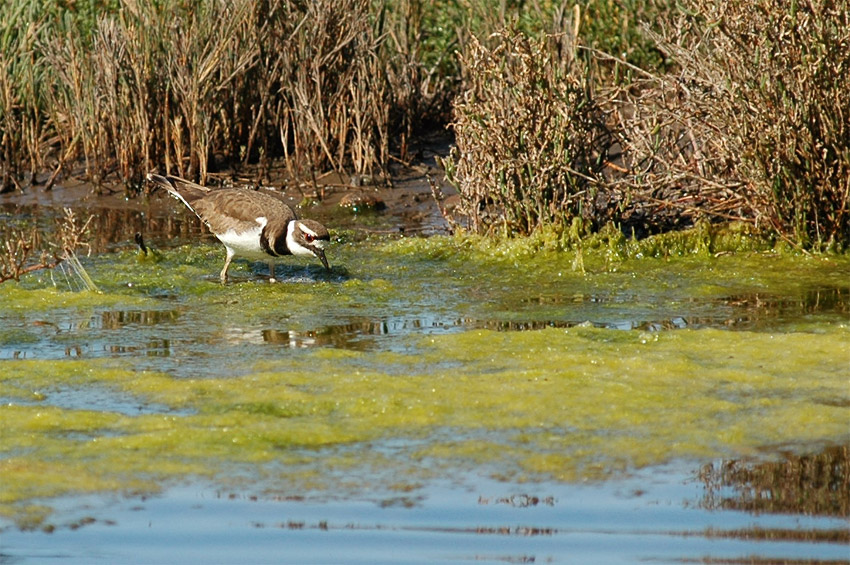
{"x": 249, "y": 223}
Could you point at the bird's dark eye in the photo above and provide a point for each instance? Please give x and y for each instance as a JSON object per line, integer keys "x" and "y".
{"x": 309, "y": 238}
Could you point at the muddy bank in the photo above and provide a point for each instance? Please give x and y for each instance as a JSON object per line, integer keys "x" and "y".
{"x": 405, "y": 208}
{"x": 401, "y": 204}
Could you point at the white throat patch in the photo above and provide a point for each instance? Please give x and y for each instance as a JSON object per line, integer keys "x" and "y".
{"x": 294, "y": 247}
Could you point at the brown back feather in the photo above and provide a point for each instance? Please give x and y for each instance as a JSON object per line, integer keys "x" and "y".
{"x": 238, "y": 209}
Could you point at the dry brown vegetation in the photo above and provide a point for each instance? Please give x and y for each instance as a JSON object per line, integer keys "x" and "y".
{"x": 25, "y": 249}
{"x": 179, "y": 85}
{"x": 717, "y": 109}
{"x": 764, "y": 95}
{"x": 751, "y": 124}
{"x": 528, "y": 134}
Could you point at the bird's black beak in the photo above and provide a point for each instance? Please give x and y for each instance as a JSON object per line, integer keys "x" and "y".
{"x": 320, "y": 253}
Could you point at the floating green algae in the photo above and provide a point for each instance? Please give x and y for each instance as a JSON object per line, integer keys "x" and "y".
{"x": 253, "y": 385}
{"x": 564, "y": 404}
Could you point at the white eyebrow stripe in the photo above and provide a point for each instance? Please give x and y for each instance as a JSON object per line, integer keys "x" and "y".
{"x": 307, "y": 230}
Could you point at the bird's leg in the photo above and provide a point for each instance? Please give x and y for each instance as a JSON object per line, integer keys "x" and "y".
{"x": 271, "y": 271}
{"x": 229, "y": 258}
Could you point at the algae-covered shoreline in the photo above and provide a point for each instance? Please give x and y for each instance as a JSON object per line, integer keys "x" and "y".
{"x": 408, "y": 360}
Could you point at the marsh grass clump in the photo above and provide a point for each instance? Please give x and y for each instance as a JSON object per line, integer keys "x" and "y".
{"x": 123, "y": 87}
{"x": 186, "y": 87}
{"x": 24, "y": 130}
{"x": 528, "y": 133}
{"x": 789, "y": 101}
{"x": 656, "y": 118}
{"x": 670, "y": 168}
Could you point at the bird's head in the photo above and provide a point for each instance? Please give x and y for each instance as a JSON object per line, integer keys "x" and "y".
{"x": 308, "y": 237}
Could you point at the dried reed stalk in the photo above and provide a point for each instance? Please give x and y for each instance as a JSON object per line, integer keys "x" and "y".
{"x": 175, "y": 84}
{"x": 24, "y": 250}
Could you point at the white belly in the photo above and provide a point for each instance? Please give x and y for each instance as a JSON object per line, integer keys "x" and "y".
{"x": 244, "y": 244}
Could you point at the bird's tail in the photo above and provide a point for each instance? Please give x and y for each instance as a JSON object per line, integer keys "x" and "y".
{"x": 182, "y": 189}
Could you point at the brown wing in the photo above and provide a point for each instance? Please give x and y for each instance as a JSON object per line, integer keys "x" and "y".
{"x": 238, "y": 209}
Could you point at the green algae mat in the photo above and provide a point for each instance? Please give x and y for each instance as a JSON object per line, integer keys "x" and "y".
{"x": 412, "y": 359}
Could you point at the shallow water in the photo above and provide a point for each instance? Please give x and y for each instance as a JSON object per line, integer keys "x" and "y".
{"x": 411, "y": 404}
{"x": 653, "y": 516}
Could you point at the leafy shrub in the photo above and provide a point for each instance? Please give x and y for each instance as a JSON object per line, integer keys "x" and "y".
{"x": 772, "y": 81}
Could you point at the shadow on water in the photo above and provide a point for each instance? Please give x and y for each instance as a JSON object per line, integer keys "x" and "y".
{"x": 92, "y": 399}
{"x": 354, "y": 335}
{"x": 117, "y": 319}
{"x": 744, "y": 311}
{"x": 163, "y": 222}
{"x": 751, "y": 309}
{"x": 112, "y": 229}
{"x": 815, "y": 485}
{"x": 73, "y": 334}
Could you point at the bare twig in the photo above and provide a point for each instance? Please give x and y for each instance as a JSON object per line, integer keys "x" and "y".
{"x": 24, "y": 250}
